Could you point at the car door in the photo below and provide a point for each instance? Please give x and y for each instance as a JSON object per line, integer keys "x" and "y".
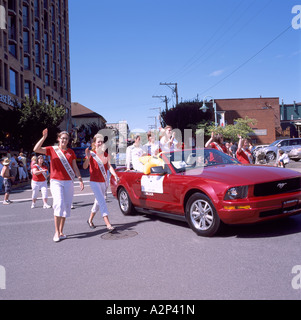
{"x": 162, "y": 192}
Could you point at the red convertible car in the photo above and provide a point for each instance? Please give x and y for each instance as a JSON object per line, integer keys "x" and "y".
{"x": 208, "y": 188}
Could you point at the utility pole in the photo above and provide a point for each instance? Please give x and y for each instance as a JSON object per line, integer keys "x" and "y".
{"x": 175, "y": 89}
{"x": 165, "y": 100}
{"x": 153, "y": 126}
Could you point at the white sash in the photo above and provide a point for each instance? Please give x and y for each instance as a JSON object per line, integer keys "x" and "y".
{"x": 218, "y": 147}
{"x": 100, "y": 165}
{"x": 43, "y": 173}
{"x": 248, "y": 154}
{"x": 64, "y": 161}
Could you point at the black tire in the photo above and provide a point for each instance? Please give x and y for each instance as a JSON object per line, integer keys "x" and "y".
{"x": 270, "y": 156}
{"x": 125, "y": 203}
{"x": 201, "y": 215}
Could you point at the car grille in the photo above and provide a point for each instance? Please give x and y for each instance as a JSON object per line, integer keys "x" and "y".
{"x": 277, "y": 187}
{"x": 280, "y": 211}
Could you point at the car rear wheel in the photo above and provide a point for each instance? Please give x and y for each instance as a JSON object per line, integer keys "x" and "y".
{"x": 125, "y": 203}
{"x": 202, "y": 216}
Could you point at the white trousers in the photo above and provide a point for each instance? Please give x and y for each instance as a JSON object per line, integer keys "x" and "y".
{"x": 36, "y": 186}
{"x": 99, "y": 189}
{"x": 22, "y": 174}
{"x": 62, "y": 193}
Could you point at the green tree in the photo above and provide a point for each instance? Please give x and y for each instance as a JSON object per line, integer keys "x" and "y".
{"x": 184, "y": 115}
{"x": 241, "y": 126}
{"x": 21, "y": 127}
{"x": 36, "y": 116}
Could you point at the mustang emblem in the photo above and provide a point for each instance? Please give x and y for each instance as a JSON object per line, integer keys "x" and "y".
{"x": 281, "y": 185}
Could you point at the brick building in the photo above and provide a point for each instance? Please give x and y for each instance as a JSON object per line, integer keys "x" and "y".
{"x": 290, "y": 119}
{"x": 265, "y": 110}
{"x": 34, "y": 52}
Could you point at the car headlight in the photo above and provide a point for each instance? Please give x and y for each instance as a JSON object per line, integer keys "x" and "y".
{"x": 236, "y": 193}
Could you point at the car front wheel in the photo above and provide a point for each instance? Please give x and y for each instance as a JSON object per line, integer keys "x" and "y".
{"x": 202, "y": 216}
{"x": 125, "y": 203}
{"x": 271, "y": 156}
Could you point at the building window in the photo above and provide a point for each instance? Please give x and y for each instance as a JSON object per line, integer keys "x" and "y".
{"x": 37, "y": 30}
{"x": 25, "y": 17}
{"x": 52, "y": 13}
{"x": 47, "y": 62}
{"x": 36, "y": 9}
{"x": 38, "y": 71}
{"x": 39, "y": 94}
{"x": 26, "y": 63}
{"x": 13, "y": 81}
{"x": 54, "y": 70}
{"x": 26, "y": 41}
{"x": 11, "y": 28}
{"x": 47, "y": 81}
{"x": 46, "y": 42}
{"x": 13, "y": 49}
{"x": 12, "y": 5}
{"x": 37, "y": 53}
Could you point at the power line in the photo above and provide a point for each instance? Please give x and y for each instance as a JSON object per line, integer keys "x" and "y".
{"x": 247, "y": 61}
{"x": 215, "y": 47}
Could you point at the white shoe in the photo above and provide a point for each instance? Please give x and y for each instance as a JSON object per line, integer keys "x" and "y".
{"x": 56, "y": 238}
{"x": 6, "y": 202}
{"x": 33, "y": 205}
{"x": 46, "y": 206}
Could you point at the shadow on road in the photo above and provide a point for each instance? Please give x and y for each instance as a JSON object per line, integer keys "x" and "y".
{"x": 101, "y": 229}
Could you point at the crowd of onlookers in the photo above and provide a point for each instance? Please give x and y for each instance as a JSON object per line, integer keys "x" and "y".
{"x": 19, "y": 165}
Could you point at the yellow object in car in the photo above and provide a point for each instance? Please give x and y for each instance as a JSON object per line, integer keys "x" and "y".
{"x": 150, "y": 162}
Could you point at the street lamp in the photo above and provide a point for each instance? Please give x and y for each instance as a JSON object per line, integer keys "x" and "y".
{"x": 204, "y": 108}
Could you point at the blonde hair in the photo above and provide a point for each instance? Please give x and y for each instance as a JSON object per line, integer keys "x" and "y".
{"x": 97, "y": 136}
{"x": 34, "y": 159}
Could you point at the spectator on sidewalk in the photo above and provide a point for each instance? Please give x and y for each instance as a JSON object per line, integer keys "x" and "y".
{"x": 5, "y": 173}
{"x": 39, "y": 182}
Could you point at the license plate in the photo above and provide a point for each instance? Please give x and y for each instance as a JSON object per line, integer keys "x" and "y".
{"x": 290, "y": 203}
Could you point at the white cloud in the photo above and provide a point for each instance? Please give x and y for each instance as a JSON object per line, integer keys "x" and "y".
{"x": 217, "y": 73}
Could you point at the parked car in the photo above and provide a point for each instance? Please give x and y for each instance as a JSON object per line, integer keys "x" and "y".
{"x": 207, "y": 188}
{"x": 285, "y": 144}
{"x": 295, "y": 153}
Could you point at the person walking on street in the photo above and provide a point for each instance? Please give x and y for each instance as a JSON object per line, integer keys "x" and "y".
{"x": 98, "y": 162}
{"x": 39, "y": 182}
{"x": 63, "y": 169}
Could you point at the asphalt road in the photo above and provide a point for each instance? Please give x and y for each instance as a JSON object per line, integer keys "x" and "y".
{"x": 147, "y": 258}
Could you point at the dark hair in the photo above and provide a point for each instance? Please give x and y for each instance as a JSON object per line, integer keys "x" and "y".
{"x": 218, "y": 138}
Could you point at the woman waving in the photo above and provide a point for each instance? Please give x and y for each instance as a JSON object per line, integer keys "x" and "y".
{"x": 99, "y": 163}
{"x": 63, "y": 169}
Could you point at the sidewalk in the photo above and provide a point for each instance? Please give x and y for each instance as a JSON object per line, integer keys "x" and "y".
{"x": 84, "y": 173}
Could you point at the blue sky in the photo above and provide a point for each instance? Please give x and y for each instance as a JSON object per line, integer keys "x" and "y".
{"x": 121, "y": 50}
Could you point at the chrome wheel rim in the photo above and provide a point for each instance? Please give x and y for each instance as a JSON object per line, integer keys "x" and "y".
{"x": 124, "y": 201}
{"x": 201, "y": 215}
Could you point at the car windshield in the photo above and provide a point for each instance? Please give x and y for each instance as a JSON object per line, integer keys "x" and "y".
{"x": 274, "y": 143}
{"x": 192, "y": 159}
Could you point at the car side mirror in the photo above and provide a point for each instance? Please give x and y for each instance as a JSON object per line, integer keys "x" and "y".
{"x": 158, "y": 170}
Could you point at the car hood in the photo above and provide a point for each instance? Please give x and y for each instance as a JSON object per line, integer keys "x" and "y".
{"x": 240, "y": 174}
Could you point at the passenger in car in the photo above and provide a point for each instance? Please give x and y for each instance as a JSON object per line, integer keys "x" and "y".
{"x": 133, "y": 153}
{"x": 168, "y": 143}
{"x": 151, "y": 148}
